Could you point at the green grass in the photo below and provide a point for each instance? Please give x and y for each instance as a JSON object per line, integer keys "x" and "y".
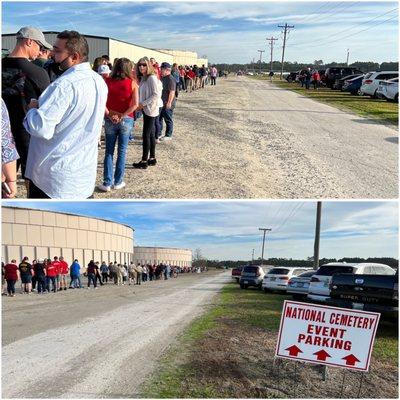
{"x": 176, "y": 376}
{"x": 380, "y": 110}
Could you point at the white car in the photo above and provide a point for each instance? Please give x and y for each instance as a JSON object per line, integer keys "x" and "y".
{"x": 389, "y": 90}
{"x": 277, "y": 278}
{"x": 319, "y": 284}
{"x": 371, "y": 80}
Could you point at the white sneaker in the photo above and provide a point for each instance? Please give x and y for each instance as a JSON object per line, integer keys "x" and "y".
{"x": 166, "y": 138}
{"x": 158, "y": 141}
{"x": 104, "y": 188}
{"x": 119, "y": 186}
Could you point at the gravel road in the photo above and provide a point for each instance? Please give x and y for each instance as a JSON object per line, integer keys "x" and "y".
{"x": 250, "y": 139}
{"x": 96, "y": 343}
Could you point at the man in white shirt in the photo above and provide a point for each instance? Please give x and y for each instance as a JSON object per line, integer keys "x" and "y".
{"x": 65, "y": 125}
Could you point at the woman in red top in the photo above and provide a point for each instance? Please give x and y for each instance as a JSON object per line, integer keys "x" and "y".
{"x": 122, "y": 101}
{"x": 11, "y": 276}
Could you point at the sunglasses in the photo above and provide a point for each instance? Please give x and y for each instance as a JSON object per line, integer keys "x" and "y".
{"x": 142, "y": 65}
{"x": 41, "y": 47}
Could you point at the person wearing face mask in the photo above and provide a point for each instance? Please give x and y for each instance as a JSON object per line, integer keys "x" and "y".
{"x": 65, "y": 125}
{"x": 21, "y": 81}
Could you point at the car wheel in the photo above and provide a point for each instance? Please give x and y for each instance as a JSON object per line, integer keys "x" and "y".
{"x": 241, "y": 286}
{"x": 375, "y": 95}
{"x": 266, "y": 290}
{"x": 396, "y": 98}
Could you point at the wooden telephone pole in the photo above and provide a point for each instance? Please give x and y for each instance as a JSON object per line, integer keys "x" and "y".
{"x": 286, "y": 28}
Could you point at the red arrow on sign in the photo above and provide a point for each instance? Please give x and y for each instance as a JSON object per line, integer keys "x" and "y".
{"x": 351, "y": 359}
{"x": 321, "y": 355}
{"x": 293, "y": 350}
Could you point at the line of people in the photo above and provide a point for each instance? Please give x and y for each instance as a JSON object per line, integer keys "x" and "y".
{"x": 45, "y": 275}
{"x": 56, "y": 110}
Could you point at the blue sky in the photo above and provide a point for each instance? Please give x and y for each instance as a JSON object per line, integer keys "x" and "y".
{"x": 229, "y": 229}
{"x": 228, "y": 31}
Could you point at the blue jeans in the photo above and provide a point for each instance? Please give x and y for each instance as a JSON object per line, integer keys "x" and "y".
{"x": 121, "y": 133}
{"x": 158, "y": 125}
{"x": 166, "y": 114}
{"x": 51, "y": 279}
{"x": 75, "y": 281}
{"x": 92, "y": 278}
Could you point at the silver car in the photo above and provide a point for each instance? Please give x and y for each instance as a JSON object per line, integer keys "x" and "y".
{"x": 298, "y": 285}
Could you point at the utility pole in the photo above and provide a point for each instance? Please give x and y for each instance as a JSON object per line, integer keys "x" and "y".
{"x": 317, "y": 235}
{"x": 286, "y": 27}
{"x": 271, "y": 44}
{"x": 262, "y": 252}
{"x": 260, "y": 51}
{"x": 252, "y": 257}
{"x": 348, "y": 53}
{"x": 253, "y": 66}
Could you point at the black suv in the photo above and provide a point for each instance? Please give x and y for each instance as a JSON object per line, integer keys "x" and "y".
{"x": 333, "y": 73}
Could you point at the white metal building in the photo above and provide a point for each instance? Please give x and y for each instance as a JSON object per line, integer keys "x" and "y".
{"x": 100, "y": 45}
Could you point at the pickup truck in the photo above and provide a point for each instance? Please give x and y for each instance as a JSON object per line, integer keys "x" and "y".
{"x": 377, "y": 293}
{"x": 236, "y": 273}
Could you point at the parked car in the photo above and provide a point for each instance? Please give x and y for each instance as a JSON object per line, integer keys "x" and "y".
{"x": 379, "y": 293}
{"x": 292, "y": 76}
{"x": 340, "y": 81}
{"x": 298, "y": 285}
{"x": 252, "y": 275}
{"x": 236, "y": 272}
{"x": 389, "y": 89}
{"x": 277, "y": 278}
{"x": 333, "y": 73}
{"x": 371, "y": 80}
{"x": 353, "y": 85}
{"x": 319, "y": 284}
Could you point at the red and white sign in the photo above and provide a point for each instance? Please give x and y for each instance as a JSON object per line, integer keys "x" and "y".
{"x": 327, "y": 335}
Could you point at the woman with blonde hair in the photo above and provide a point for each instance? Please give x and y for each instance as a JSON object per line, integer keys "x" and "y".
{"x": 122, "y": 102}
{"x": 149, "y": 92}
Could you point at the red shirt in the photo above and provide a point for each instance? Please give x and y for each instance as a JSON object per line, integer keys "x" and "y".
{"x": 10, "y": 272}
{"x": 182, "y": 72}
{"x": 191, "y": 74}
{"x": 52, "y": 269}
{"x": 63, "y": 267}
{"x": 120, "y": 94}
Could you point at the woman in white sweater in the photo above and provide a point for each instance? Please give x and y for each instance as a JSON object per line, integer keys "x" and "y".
{"x": 149, "y": 92}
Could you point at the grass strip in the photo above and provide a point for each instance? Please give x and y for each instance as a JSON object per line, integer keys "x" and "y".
{"x": 380, "y": 110}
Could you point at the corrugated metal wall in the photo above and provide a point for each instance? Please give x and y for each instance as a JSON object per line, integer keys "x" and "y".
{"x": 97, "y": 46}
{"x": 120, "y": 49}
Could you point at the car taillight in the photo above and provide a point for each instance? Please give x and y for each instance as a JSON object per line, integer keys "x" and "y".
{"x": 284, "y": 278}
{"x": 368, "y": 81}
{"x": 314, "y": 279}
{"x": 290, "y": 282}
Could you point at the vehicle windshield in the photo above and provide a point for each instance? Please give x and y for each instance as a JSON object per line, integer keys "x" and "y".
{"x": 329, "y": 270}
{"x": 278, "y": 271}
{"x": 307, "y": 274}
{"x": 250, "y": 269}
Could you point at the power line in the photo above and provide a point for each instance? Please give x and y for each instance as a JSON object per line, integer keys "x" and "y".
{"x": 313, "y": 12}
{"x": 291, "y": 215}
{"x": 324, "y": 38}
{"x": 260, "y": 51}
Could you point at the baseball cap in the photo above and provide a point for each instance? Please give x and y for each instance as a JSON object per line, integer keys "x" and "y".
{"x": 165, "y": 65}
{"x": 104, "y": 69}
{"x": 29, "y": 32}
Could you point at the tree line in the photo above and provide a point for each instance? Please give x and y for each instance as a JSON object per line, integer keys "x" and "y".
{"x": 285, "y": 262}
{"x": 288, "y": 66}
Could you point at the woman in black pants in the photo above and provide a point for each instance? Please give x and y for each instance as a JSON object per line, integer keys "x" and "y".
{"x": 149, "y": 93}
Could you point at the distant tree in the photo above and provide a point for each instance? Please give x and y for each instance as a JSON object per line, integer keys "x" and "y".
{"x": 389, "y": 66}
{"x": 318, "y": 63}
{"x": 365, "y": 66}
{"x": 198, "y": 259}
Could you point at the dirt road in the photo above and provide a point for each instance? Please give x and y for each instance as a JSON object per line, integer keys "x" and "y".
{"x": 96, "y": 343}
{"x": 249, "y": 139}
